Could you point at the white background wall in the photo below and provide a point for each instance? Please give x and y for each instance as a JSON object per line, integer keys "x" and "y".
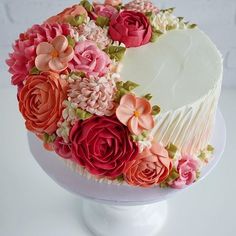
{"x": 216, "y": 17}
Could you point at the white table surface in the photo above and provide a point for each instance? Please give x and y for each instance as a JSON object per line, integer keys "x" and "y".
{"x": 31, "y": 204}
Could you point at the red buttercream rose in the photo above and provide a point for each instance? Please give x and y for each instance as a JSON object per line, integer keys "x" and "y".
{"x": 131, "y": 28}
{"x": 102, "y": 145}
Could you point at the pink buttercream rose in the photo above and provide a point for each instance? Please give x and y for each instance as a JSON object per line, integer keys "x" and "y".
{"x": 62, "y": 148}
{"x": 103, "y": 10}
{"x": 89, "y": 59}
{"x": 150, "y": 167}
{"x": 187, "y": 168}
{"x": 69, "y": 12}
{"x": 102, "y": 145}
{"x": 131, "y": 28}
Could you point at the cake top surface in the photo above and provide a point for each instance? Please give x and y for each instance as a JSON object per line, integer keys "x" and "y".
{"x": 178, "y": 69}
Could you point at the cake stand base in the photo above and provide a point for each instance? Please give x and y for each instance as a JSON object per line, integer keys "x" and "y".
{"x": 107, "y": 220}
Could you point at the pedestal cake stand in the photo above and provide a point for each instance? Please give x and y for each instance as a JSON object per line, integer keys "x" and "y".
{"x": 112, "y": 210}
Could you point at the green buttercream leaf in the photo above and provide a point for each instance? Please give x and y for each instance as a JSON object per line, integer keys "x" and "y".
{"x": 47, "y": 138}
{"x": 141, "y": 137}
{"x": 172, "y": 149}
{"x": 210, "y": 148}
{"x": 148, "y": 96}
{"x": 77, "y": 20}
{"x": 82, "y": 115}
{"x": 155, "y": 35}
{"x": 198, "y": 174}
{"x": 120, "y": 178}
{"x": 102, "y": 21}
{"x": 71, "y": 41}
{"x": 115, "y": 52}
{"x": 34, "y": 71}
{"x": 192, "y": 26}
{"x": 77, "y": 74}
{"x": 87, "y": 5}
{"x": 180, "y": 18}
{"x": 156, "y": 110}
{"x": 202, "y": 156}
{"x": 119, "y": 7}
{"x": 129, "y": 85}
{"x": 150, "y": 15}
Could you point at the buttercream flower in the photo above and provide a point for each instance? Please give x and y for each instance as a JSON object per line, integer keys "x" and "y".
{"x": 22, "y": 59}
{"x": 104, "y": 10}
{"x": 62, "y": 148}
{"x": 136, "y": 113}
{"x": 102, "y": 145}
{"x": 150, "y": 167}
{"x": 131, "y": 28}
{"x": 113, "y": 3}
{"x": 90, "y": 59}
{"x": 95, "y": 33}
{"x": 187, "y": 168}
{"x": 64, "y": 16}
{"x": 94, "y": 95}
{"x": 54, "y": 56}
{"x": 40, "y": 102}
{"x": 141, "y": 6}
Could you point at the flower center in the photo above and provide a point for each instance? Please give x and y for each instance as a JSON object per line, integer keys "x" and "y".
{"x": 136, "y": 114}
{"x": 54, "y": 53}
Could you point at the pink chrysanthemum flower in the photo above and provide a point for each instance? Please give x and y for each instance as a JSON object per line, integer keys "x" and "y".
{"x": 141, "y": 6}
{"x": 95, "y": 95}
{"x": 21, "y": 61}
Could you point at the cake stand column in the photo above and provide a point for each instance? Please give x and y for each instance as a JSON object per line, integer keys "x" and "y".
{"x": 107, "y": 220}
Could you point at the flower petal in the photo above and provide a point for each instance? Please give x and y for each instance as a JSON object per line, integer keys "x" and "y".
{"x": 143, "y": 106}
{"x": 129, "y": 101}
{"x": 124, "y": 114}
{"x": 56, "y": 65}
{"x": 146, "y": 121}
{"x": 41, "y": 62}
{"x": 44, "y": 48}
{"x": 60, "y": 43}
{"x": 134, "y": 127}
{"x": 67, "y": 55}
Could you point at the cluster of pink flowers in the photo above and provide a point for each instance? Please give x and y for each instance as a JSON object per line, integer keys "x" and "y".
{"x": 70, "y": 97}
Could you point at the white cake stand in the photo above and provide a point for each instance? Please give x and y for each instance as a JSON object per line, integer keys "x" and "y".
{"x": 119, "y": 210}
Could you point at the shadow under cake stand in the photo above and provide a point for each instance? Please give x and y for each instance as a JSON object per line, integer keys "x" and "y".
{"x": 112, "y": 210}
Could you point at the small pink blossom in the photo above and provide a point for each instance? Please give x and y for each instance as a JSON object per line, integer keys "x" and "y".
{"x": 54, "y": 56}
{"x": 62, "y": 148}
{"x": 90, "y": 59}
{"x": 104, "y": 10}
{"x": 187, "y": 168}
{"x": 136, "y": 113}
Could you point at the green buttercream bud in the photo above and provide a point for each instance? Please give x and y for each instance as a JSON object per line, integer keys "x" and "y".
{"x": 129, "y": 85}
{"x": 119, "y": 7}
{"x": 155, "y": 34}
{"x": 198, "y": 174}
{"x": 192, "y": 26}
{"x": 87, "y": 5}
{"x": 148, "y": 96}
{"x": 202, "y": 155}
{"x": 115, "y": 52}
{"x": 156, "y": 110}
{"x": 75, "y": 74}
{"x": 47, "y": 138}
{"x": 210, "y": 148}
{"x": 102, "y": 21}
{"x": 120, "y": 178}
{"x": 180, "y": 18}
{"x": 170, "y": 10}
{"x": 170, "y": 27}
{"x": 172, "y": 149}
{"x": 77, "y": 20}
{"x": 71, "y": 41}
{"x": 119, "y": 84}
{"x": 163, "y": 185}
{"x": 174, "y": 175}
{"x": 34, "y": 71}
{"x": 82, "y": 115}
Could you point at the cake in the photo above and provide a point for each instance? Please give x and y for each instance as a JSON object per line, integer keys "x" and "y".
{"x": 123, "y": 93}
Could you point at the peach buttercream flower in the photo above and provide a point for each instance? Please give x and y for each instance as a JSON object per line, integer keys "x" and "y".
{"x": 64, "y": 16}
{"x": 136, "y": 113}
{"x": 40, "y": 102}
{"x": 150, "y": 167}
{"x": 55, "y": 55}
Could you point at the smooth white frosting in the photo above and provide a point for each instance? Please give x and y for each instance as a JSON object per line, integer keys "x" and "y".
{"x": 177, "y": 69}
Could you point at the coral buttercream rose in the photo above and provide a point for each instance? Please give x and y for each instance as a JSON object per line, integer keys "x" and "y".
{"x": 62, "y": 148}
{"x": 131, "y": 28}
{"x": 64, "y": 16}
{"x": 102, "y": 145}
{"x": 89, "y": 59}
{"x": 40, "y": 102}
{"x": 150, "y": 167}
{"x": 187, "y": 168}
